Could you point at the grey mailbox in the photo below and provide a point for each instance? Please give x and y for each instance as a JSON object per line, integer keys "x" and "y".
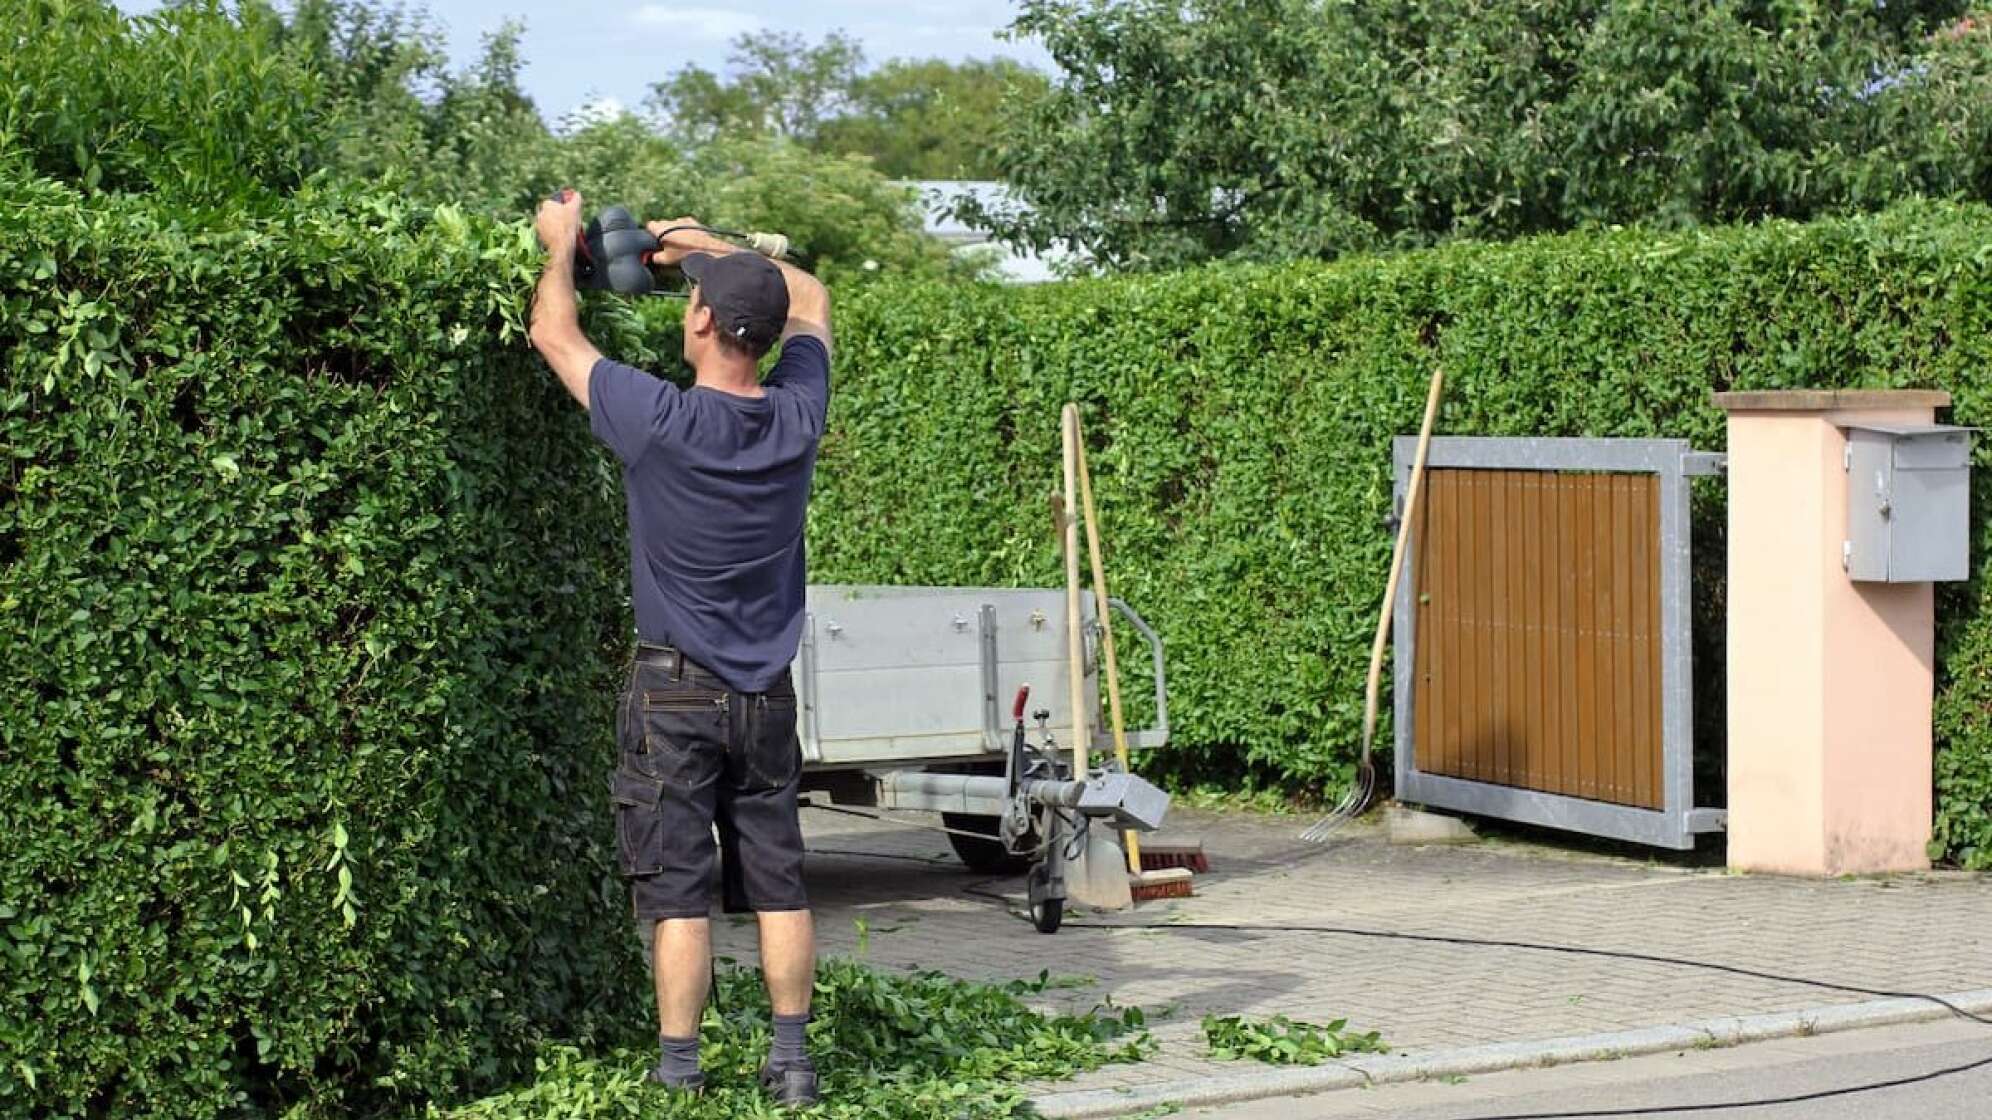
{"x": 1908, "y": 503}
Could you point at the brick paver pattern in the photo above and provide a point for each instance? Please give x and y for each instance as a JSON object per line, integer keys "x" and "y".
{"x": 920, "y": 908}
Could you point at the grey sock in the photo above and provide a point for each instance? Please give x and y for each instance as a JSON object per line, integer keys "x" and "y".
{"x": 789, "y": 1050}
{"x": 681, "y": 1058}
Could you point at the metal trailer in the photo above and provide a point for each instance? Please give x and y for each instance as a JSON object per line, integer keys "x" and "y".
{"x": 903, "y": 695}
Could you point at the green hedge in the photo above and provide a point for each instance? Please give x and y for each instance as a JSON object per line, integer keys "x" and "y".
{"x": 1239, "y": 424}
{"x": 311, "y": 582}
{"x": 311, "y": 595}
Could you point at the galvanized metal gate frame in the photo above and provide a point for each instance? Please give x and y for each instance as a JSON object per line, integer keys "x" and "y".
{"x": 1677, "y": 822}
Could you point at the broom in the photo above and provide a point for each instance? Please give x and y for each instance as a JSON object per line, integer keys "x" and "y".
{"x": 1172, "y": 881}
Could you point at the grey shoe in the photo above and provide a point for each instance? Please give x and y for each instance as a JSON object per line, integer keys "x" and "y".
{"x": 792, "y": 1086}
{"x": 690, "y": 1086}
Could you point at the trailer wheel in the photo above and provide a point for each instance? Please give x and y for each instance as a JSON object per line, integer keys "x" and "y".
{"x": 987, "y": 856}
{"x": 1046, "y": 914}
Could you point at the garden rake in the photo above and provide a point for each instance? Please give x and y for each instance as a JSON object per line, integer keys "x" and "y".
{"x": 1364, "y": 786}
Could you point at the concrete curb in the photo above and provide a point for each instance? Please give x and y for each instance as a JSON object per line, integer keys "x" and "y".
{"x": 1388, "y": 1069}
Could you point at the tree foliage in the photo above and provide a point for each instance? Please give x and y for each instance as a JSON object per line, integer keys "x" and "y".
{"x": 204, "y": 106}
{"x": 1185, "y": 130}
{"x": 240, "y": 106}
{"x": 780, "y": 85}
{"x": 933, "y": 119}
{"x": 914, "y": 118}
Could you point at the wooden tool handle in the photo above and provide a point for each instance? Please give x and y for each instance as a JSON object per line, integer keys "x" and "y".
{"x": 1397, "y": 558}
{"x": 1101, "y": 601}
{"x": 1068, "y": 424}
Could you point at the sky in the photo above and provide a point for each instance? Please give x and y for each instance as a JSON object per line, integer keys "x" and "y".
{"x": 580, "y": 51}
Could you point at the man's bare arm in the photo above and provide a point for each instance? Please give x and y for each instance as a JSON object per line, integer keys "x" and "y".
{"x": 809, "y": 305}
{"x": 556, "y": 318}
{"x": 809, "y": 300}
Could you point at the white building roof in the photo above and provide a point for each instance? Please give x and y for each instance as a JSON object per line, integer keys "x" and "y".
{"x": 1014, "y": 265}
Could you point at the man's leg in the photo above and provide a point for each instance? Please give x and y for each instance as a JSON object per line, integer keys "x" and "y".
{"x": 788, "y": 959}
{"x": 666, "y": 785}
{"x": 683, "y": 968}
{"x": 764, "y": 774}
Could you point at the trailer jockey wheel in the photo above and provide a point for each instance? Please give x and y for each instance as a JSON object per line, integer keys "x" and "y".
{"x": 1047, "y": 907}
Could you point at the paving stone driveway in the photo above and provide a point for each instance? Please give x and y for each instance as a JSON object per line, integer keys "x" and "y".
{"x": 1923, "y": 933}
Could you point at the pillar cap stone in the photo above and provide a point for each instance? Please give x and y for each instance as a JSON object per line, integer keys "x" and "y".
{"x": 1829, "y": 400}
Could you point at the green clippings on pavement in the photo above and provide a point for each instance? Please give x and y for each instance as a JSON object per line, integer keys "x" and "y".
{"x": 892, "y": 1047}
{"x": 1285, "y": 1042}
{"x": 1046, "y": 982}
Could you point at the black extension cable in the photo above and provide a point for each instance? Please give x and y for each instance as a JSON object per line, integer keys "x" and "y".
{"x": 976, "y": 890}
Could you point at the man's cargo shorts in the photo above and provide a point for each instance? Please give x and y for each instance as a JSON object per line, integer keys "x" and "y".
{"x": 693, "y": 754}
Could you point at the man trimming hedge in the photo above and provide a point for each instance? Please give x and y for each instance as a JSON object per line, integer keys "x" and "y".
{"x": 717, "y": 479}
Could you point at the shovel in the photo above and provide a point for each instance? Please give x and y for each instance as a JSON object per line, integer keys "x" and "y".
{"x": 1095, "y": 870}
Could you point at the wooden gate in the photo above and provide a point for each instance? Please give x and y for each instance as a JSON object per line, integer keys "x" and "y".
{"x": 1543, "y": 665}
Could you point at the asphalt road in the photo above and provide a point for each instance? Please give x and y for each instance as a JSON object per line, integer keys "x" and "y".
{"x": 1696, "y": 1078}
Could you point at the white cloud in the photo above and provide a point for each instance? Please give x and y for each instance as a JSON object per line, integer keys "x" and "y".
{"x": 704, "y": 24}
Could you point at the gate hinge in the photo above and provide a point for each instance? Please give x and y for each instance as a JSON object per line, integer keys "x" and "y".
{"x": 1704, "y": 463}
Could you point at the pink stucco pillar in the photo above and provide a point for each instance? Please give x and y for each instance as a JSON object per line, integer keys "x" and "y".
{"x": 1830, "y": 680}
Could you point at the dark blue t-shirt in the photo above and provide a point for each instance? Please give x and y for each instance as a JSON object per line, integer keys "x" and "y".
{"x": 717, "y": 487}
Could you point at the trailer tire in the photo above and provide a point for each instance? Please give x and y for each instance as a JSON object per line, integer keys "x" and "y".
{"x": 1047, "y": 914}
{"x": 986, "y": 856}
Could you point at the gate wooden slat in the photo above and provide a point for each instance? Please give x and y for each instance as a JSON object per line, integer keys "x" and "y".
{"x": 1447, "y": 596}
{"x": 1568, "y": 637}
{"x": 1521, "y": 774}
{"x": 1587, "y": 668}
{"x": 1498, "y": 716}
{"x": 1654, "y": 741}
{"x": 1641, "y": 624}
{"x": 1549, "y": 576}
{"x": 1619, "y": 609}
{"x": 1531, "y": 701}
{"x": 1479, "y": 741}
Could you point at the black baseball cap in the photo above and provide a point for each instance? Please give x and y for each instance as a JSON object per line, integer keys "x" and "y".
{"x": 747, "y": 293}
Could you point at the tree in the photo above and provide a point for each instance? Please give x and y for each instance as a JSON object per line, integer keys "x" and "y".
{"x": 931, "y": 118}
{"x": 1186, "y": 130}
{"x": 914, "y": 118}
{"x": 780, "y": 86}
{"x": 195, "y": 101}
